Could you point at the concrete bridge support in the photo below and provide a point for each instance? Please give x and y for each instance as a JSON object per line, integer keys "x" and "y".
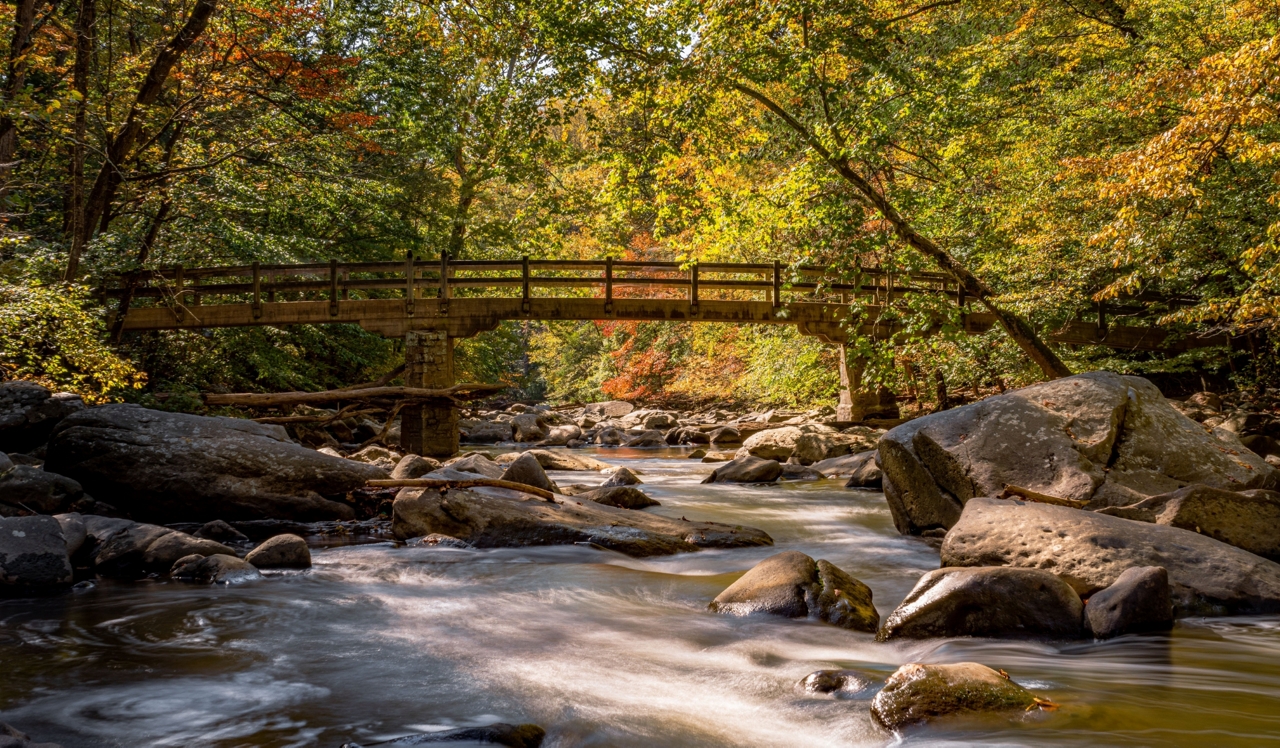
{"x": 429, "y": 430}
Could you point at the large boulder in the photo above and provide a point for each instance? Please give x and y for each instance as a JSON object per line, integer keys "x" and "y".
{"x": 485, "y": 432}
{"x": 1139, "y": 600}
{"x": 529, "y": 427}
{"x": 1090, "y": 551}
{"x": 33, "y": 554}
{"x": 652, "y": 438}
{"x": 165, "y": 550}
{"x": 29, "y": 412}
{"x": 526, "y": 470}
{"x": 780, "y": 443}
{"x": 1248, "y": 520}
{"x": 987, "y": 601}
{"x": 793, "y": 585}
{"x": 819, "y": 446}
{"x": 495, "y": 517}
{"x": 29, "y": 488}
{"x": 476, "y": 463}
{"x": 1099, "y": 437}
{"x": 286, "y": 551}
{"x": 918, "y": 693}
{"x": 175, "y": 467}
{"x": 560, "y": 436}
{"x": 413, "y": 466}
{"x": 747, "y": 469}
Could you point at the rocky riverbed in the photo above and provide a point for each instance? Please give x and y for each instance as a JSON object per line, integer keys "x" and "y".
{"x": 784, "y": 610}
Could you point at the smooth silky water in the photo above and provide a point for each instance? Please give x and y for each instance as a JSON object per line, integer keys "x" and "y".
{"x": 378, "y": 641}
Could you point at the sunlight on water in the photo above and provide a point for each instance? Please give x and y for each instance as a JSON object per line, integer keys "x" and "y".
{"x": 603, "y": 650}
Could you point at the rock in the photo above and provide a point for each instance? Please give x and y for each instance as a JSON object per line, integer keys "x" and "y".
{"x": 773, "y": 444}
{"x": 688, "y": 435}
{"x": 864, "y": 472}
{"x": 919, "y": 693}
{"x": 1261, "y": 445}
{"x": 486, "y": 432}
{"x": 647, "y": 439}
{"x": 500, "y": 518}
{"x": 820, "y": 446}
{"x": 33, "y": 554}
{"x": 529, "y": 427}
{"x": 122, "y": 554}
{"x": 175, "y": 467}
{"x": 281, "y": 552}
{"x": 1139, "y": 600}
{"x": 793, "y": 585}
{"x": 838, "y": 683}
{"x": 73, "y": 531}
{"x": 436, "y": 540}
{"x": 29, "y": 413}
{"x": 165, "y": 550}
{"x": 560, "y": 436}
{"x": 527, "y": 471}
{"x": 1249, "y": 520}
{"x": 696, "y": 454}
{"x": 610, "y": 409}
{"x": 726, "y": 436}
{"x": 800, "y": 472}
{"x": 1206, "y": 400}
{"x": 622, "y": 477}
{"x": 376, "y": 455}
{"x": 476, "y": 463}
{"x": 6, "y": 465}
{"x": 11, "y": 737}
{"x": 30, "y": 489}
{"x": 331, "y": 452}
{"x": 844, "y": 465}
{"x": 558, "y": 460}
{"x": 1090, "y": 551}
{"x": 512, "y": 736}
{"x": 413, "y": 466}
{"x": 660, "y": 421}
{"x": 987, "y": 601}
{"x": 625, "y": 497}
{"x": 216, "y": 569}
{"x": 221, "y": 532}
{"x": 611, "y": 437}
{"x": 1097, "y": 437}
{"x": 746, "y": 470}
{"x": 714, "y": 457}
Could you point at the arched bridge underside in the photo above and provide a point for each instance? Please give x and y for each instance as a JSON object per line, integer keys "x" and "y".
{"x": 430, "y": 303}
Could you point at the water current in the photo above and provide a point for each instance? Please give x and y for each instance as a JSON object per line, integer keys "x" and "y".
{"x": 377, "y": 641}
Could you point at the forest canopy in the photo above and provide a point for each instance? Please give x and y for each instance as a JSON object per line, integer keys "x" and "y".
{"x": 1060, "y": 153}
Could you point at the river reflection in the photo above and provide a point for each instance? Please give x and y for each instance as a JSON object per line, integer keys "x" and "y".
{"x": 603, "y": 650}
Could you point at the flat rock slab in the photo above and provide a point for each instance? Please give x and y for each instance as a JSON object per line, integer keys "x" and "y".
{"x": 1090, "y": 551}
{"x": 498, "y": 518}
{"x": 174, "y": 467}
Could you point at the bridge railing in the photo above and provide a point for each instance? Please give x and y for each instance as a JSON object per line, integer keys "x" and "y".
{"x": 445, "y": 278}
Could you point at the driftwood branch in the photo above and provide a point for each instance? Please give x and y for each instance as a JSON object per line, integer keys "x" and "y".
{"x": 470, "y": 483}
{"x": 279, "y": 399}
{"x": 1026, "y": 494}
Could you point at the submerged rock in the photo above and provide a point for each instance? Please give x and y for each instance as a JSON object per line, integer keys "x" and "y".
{"x": 793, "y": 585}
{"x": 175, "y": 467}
{"x": 1090, "y": 551}
{"x": 33, "y": 555}
{"x": 494, "y": 517}
{"x": 918, "y": 693}
{"x": 987, "y": 601}
{"x": 512, "y": 736}
{"x": 746, "y": 469}
{"x": 838, "y": 683}
{"x": 281, "y": 552}
{"x": 1138, "y": 601}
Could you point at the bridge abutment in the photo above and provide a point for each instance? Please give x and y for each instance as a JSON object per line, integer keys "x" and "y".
{"x": 429, "y": 430}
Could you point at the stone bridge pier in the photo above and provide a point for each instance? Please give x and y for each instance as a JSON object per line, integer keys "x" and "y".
{"x": 430, "y": 430}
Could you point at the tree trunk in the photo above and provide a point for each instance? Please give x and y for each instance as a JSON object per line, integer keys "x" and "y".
{"x": 1016, "y": 327}
{"x": 23, "y": 20}
{"x": 458, "y": 235}
{"x": 85, "y": 18}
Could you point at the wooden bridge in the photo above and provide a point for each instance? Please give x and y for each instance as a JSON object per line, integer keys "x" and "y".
{"x": 430, "y": 303}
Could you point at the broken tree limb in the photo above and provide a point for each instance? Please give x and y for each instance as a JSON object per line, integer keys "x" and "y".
{"x": 1026, "y": 494}
{"x": 469, "y": 483}
{"x": 280, "y": 399}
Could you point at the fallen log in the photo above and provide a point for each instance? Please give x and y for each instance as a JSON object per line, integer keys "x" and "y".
{"x": 280, "y": 399}
{"x": 469, "y": 483}
{"x": 1026, "y": 494}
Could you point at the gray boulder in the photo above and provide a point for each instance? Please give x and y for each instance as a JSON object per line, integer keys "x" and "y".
{"x": 477, "y": 464}
{"x": 33, "y": 554}
{"x": 1102, "y": 438}
{"x": 624, "y": 497}
{"x": 175, "y": 467}
{"x": 281, "y": 552}
{"x": 844, "y": 465}
{"x": 494, "y": 518}
{"x": 121, "y": 555}
{"x": 987, "y": 601}
{"x": 1139, "y": 600}
{"x": 726, "y": 436}
{"x": 221, "y": 532}
{"x": 413, "y": 466}
{"x": 792, "y": 471}
{"x": 746, "y": 469}
{"x": 216, "y": 569}
{"x": 560, "y": 436}
{"x": 818, "y": 446}
{"x": 74, "y": 532}
{"x": 486, "y": 432}
{"x": 793, "y": 585}
{"x": 1248, "y": 520}
{"x": 647, "y": 439}
{"x": 555, "y": 459}
{"x": 610, "y": 437}
{"x": 164, "y": 551}
{"x": 30, "y": 489}
{"x": 29, "y": 412}
{"x": 529, "y": 427}
{"x": 918, "y": 693}
{"x": 1090, "y": 551}
{"x": 527, "y": 471}
{"x": 622, "y": 477}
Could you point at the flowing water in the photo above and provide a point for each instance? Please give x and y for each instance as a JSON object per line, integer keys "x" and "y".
{"x": 378, "y": 641}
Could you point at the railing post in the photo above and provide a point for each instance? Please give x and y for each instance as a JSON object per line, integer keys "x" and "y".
{"x": 333, "y": 287}
{"x": 346, "y": 292}
{"x": 177, "y": 292}
{"x": 693, "y": 288}
{"x": 444, "y": 282}
{"x": 195, "y": 289}
{"x": 524, "y": 269}
{"x": 608, "y": 285}
{"x": 409, "y": 272}
{"x": 960, "y": 300}
{"x": 777, "y": 284}
{"x": 257, "y": 290}
{"x": 1102, "y": 320}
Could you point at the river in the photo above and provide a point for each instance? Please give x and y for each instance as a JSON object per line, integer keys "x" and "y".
{"x": 377, "y": 641}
